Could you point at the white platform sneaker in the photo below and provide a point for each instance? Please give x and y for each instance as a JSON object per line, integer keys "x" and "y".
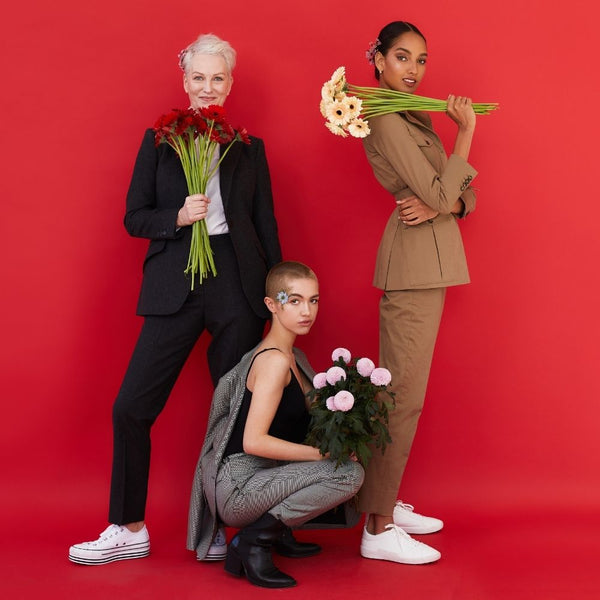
{"x": 218, "y": 547}
{"x": 115, "y": 543}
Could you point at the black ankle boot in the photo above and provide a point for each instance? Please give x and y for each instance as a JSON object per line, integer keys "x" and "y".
{"x": 250, "y": 552}
{"x": 287, "y": 545}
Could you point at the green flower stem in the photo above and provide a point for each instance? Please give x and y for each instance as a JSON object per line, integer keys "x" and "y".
{"x": 381, "y": 101}
{"x": 196, "y": 153}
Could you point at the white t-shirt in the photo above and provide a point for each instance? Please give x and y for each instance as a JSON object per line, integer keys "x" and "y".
{"x": 215, "y": 219}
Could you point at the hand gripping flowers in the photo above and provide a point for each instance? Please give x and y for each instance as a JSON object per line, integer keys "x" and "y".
{"x": 347, "y": 114}
{"x": 348, "y": 412}
{"x": 195, "y": 135}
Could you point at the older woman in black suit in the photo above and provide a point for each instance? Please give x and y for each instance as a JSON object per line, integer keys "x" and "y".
{"x": 238, "y": 210}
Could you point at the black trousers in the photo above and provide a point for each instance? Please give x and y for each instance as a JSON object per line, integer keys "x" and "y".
{"x": 165, "y": 342}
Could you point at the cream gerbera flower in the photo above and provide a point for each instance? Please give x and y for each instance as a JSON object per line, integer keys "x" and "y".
{"x": 354, "y": 106}
{"x": 338, "y": 79}
{"x": 359, "y": 128}
{"x": 328, "y": 91}
{"x": 323, "y": 107}
{"x": 336, "y": 129}
{"x": 339, "y": 112}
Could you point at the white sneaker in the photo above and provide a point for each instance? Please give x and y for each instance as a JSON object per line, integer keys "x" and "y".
{"x": 115, "y": 543}
{"x": 396, "y": 545}
{"x": 412, "y": 522}
{"x": 218, "y": 547}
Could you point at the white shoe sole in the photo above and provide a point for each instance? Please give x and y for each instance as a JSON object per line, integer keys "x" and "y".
{"x": 214, "y": 557}
{"x": 414, "y": 529}
{"x": 102, "y": 557}
{"x": 393, "y": 557}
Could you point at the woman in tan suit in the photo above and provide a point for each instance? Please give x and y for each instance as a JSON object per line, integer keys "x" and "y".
{"x": 420, "y": 255}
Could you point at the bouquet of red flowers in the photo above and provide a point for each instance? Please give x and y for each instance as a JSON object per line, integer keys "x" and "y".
{"x": 195, "y": 135}
{"x": 349, "y": 411}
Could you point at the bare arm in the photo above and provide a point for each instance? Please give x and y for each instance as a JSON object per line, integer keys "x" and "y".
{"x": 267, "y": 379}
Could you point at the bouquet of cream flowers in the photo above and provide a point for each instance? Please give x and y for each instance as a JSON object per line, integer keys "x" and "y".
{"x": 349, "y": 408}
{"x": 347, "y": 107}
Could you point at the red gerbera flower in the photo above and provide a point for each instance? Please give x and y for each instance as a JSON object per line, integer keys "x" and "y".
{"x": 213, "y": 112}
{"x": 242, "y": 135}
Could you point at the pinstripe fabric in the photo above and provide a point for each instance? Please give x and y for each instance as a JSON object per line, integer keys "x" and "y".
{"x": 295, "y": 492}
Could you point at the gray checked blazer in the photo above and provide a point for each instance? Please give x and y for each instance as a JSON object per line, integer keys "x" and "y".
{"x": 225, "y": 407}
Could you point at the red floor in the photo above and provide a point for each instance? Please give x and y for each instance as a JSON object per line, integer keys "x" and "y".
{"x": 508, "y": 556}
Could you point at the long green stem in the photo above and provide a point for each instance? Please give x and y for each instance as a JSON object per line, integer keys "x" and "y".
{"x": 381, "y": 101}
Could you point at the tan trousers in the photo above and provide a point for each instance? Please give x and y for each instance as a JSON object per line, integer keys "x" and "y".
{"x": 408, "y": 325}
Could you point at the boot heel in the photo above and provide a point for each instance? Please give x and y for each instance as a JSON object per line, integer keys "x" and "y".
{"x": 233, "y": 563}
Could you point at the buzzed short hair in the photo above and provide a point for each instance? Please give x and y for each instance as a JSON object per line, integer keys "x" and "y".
{"x": 280, "y": 275}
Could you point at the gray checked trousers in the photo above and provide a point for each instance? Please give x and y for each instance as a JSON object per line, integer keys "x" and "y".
{"x": 295, "y": 492}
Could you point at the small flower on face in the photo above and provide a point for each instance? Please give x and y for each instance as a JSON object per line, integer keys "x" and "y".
{"x": 342, "y": 353}
{"x": 335, "y": 374}
{"x": 343, "y": 401}
{"x": 336, "y": 129}
{"x": 365, "y": 366}
{"x": 319, "y": 380}
{"x": 381, "y": 376}
{"x": 330, "y": 403}
{"x": 359, "y": 128}
{"x": 282, "y": 297}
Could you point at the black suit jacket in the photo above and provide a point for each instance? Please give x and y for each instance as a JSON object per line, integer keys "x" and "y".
{"x": 158, "y": 190}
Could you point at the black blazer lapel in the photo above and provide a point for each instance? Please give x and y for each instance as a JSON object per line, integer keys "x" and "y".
{"x": 227, "y": 169}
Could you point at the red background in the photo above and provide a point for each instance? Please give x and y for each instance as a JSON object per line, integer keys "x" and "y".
{"x": 511, "y": 419}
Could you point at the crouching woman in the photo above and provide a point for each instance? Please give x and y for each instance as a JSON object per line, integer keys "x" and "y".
{"x": 254, "y": 471}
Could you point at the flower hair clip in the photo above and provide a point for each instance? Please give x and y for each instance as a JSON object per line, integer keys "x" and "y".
{"x": 180, "y": 56}
{"x": 372, "y": 50}
{"x": 282, "y": 297}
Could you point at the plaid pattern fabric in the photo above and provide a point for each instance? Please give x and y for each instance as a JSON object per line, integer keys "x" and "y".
{"x": 295, "y": 492}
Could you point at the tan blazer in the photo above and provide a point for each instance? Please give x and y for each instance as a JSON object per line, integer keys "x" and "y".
{"x": 408, "y": 158}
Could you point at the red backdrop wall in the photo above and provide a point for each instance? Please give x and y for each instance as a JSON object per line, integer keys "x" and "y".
{"x": 512, "y": 408}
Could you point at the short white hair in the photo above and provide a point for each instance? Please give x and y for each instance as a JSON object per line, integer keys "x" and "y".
{"x": 208, "y": 43}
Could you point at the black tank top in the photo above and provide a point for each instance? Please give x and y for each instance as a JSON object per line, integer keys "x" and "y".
{"x": 290, "y": 422}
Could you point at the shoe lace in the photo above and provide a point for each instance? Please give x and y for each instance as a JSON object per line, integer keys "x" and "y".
{"x": 405, "y": 506}
{"x": 109, "y": 532}
{"x": 219, "y": 539}
{"x": 400, "y": 533}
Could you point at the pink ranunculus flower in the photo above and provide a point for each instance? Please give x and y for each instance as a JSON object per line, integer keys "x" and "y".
{"x": 342, "y": 353}
{"x": 380, "y": 376}
{"x": 365, "y": 366}
{"x": 334, "y": 374}
{"x": 320, "y": 380}
{"x": 343, "y": 400}
{"x": 330, "y": 403}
